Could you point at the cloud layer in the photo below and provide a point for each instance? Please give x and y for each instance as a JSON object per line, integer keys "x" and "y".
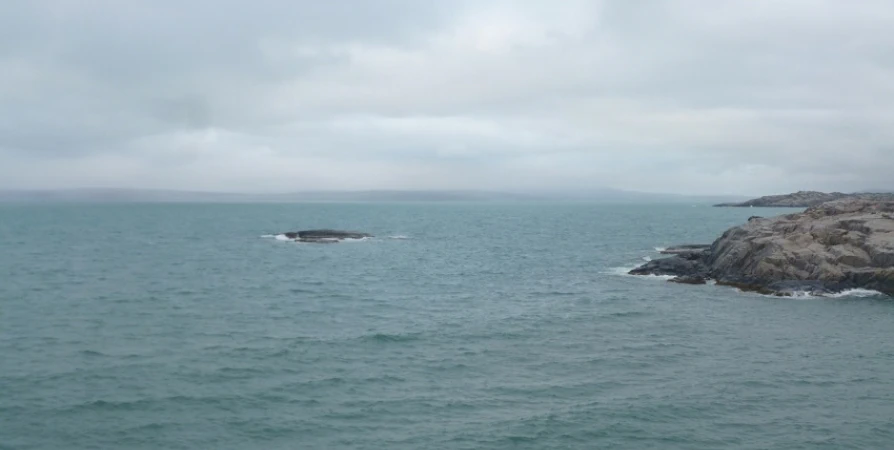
{"x": 687, "y": 96}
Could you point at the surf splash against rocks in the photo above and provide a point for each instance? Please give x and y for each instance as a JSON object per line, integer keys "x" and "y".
{"x": 829, "y": 248}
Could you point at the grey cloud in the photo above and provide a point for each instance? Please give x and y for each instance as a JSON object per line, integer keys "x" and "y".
{"x": 690, "y": 96}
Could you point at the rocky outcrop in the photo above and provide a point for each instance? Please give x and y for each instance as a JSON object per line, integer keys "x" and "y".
{"x": 685, "y": 249}
{"x": 324, "y": 236}
{"x": 831, "y": 247}
{"x": 807, "y": 199}
{"x": 693, "y": 264}
{"x": 689, "y": 279}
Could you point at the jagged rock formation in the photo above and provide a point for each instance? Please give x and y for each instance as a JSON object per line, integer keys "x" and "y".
{"x": 831, "y": 247}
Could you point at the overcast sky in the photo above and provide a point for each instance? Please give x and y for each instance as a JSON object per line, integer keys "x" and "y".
{"x": 685, "y": 96}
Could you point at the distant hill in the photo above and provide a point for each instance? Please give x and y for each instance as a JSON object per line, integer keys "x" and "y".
{"x": 805, "y": 199}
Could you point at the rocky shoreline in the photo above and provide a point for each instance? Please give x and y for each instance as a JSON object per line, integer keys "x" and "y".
{"x": 829, "y": 248}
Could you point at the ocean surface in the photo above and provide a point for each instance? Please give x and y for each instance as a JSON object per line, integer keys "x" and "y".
{"x": 460, "y": 326}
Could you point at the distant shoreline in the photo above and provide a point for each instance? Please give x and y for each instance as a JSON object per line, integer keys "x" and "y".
{"x": 806, "y": 199}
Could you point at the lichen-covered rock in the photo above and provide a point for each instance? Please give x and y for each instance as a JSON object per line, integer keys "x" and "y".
{"x": 830, "y": 247}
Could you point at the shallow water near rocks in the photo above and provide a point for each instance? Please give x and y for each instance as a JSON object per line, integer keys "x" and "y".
{"x": 477, "y": 326}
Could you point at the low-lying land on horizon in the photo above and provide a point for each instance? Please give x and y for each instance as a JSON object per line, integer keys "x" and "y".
{"x": 806, "y": 199}
{"x": 176, "y": 196}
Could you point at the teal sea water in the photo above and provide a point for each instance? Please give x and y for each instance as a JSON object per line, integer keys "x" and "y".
{"x": 461, "y": 326}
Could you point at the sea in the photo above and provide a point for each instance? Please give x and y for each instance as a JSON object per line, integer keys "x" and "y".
{"x": 459, "y": 326}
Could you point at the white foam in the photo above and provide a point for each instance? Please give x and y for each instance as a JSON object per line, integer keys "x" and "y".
{"x": 657, "y": 277}
{"x": 625, "y": 271}
{"x": 399, "y": 237}
{"x": 353, "y": 240}
{"x": 856, "y": 293}
{"x": 278, "y": 237}
{"x": 808, "y": 295}
{"x": 647, "y": 258}
{"x": 660, "y": 249}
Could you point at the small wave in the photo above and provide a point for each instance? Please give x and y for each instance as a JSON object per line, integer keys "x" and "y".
{"x": 647, "y": 258}
{"x": 388, "y": 337}
{"x": 555, "y": 293}
{"x": 660, "y": 249}
{"x": 399, "y": 237}
{"x": 627, "y": 314}
{"x": 356, "y": 240}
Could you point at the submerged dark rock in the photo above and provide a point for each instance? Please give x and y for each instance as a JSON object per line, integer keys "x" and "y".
{"x": 325, "y": 236}
{"x": 835, "y": 246}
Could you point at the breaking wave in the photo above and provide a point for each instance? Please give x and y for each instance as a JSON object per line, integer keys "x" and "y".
{"x": 278, "y": 237}
{"x": 625, "y": 271}
{"x": 856, "y": 293}
{"x": 849, "y": 293}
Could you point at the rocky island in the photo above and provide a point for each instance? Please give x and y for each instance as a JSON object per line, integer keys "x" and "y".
{"x": 806, "y": 199}
{"x": 831, "y": 247}
{"x": 324, "y": 236}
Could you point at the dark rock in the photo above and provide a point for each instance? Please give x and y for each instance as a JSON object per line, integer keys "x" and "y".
{"x": 331, "y": 234}
{"x": 747, "y": 286}
{"x": 689, "y": 279}
{"x": 324, "y": 236}
{"x": 318, "y": 240}
{"x": 685, "y": 248}
{"x": 676, "y": 266}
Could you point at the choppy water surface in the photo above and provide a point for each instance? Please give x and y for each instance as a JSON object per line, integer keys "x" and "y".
{"x": 461, "y": 326}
